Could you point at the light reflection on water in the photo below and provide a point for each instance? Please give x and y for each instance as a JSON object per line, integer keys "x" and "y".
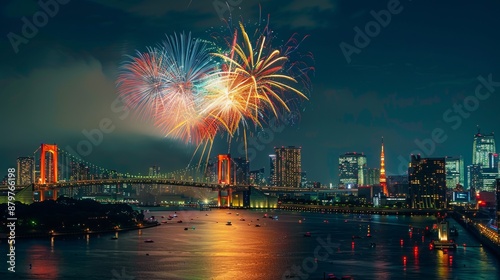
{"x": 210, "y": 249}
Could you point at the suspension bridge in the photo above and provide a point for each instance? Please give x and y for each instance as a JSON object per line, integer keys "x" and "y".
{"x": 52, "y": 172}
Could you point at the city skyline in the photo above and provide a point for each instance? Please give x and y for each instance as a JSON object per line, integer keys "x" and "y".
{"x": 416, "y": 79}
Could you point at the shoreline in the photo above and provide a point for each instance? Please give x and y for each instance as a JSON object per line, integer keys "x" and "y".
{"x": 34, "y": 235}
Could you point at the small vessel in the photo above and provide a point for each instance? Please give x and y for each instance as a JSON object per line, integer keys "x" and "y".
{"x": 186, "y": 228}
{"x": 114, "y": 237}
{"x": 148, "y": 241}
{"x": 257, "y": 225}
{"x": 179, "y": 221}
{"x": 242, "y": 219}
{"x": 307, "y": 234}
{"x": 229, "y": 223}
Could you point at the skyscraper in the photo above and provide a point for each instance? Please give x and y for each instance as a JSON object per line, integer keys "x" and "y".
{"x": 484, "y": 154}
{"x": 352, "y": 170}
{"x": 241, "y": 171}
{"x": 454, "y": 171}
{"x": 475, "y": 178}
{"x": 483, "y": 145}
{"x": 257, "y": 177}
{"x": 24, "y": 170}
{"x": 154, "y": 171}
{"x": 272, "y": 170}
{"x": 373, "y": 176}
{"x": 288, "y": 166}
{"x": 383, "y": 181}
{"x": 427, "y": 182}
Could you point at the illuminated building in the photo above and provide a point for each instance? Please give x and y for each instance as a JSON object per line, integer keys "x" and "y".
{"x": 303, "y": 179}
{"x": 427, "y": 183}
{"x": 454, "y": 172}
{"x": 475, "y": 177}
{"x": 241, "y": 171}
{"x": 352, "y": 170}
{"x": 498, "y": 205}
{"x": 79, "y": 171}
{"x": 288, "y": 167}
{"x": 211, "y": 172}
{"x": 373, "y": 176}
{"x": 398, "y": 185}
{"x": 272, "y": 170}
{"x": 490, "y": 173}
{"x": 257, "y": 177}
{"x": 154, "y": 171}
{"x": 383, "y": 182}
{"x": 483, "y": 145}
{"x": 24, "y": 170}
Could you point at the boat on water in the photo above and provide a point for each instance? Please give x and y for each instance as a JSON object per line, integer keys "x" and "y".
{"x": 148, "y": 241}
{"x": 229, "y": 223}
{"x": 114, "y": 237}
{"x": 307, "y": 234}
{"x": 257, "y": 225}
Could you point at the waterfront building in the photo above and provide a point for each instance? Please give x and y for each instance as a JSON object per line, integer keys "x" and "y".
{"x": 454, "y": 171}
{"x": 241, "y": 171}
{"x": 397, "y": 185}
{"x": 154, "y": 171}
{"x": 352, "y": 170}
{"x": 25, "y": 170}
{"x": 257, "y": 177}
{"x": 427, "y": 183}
{"x": 272, "y": 170}
{"x": 475, "y": 177}
{"x": 373, "y": 176}
{"x": 483, "y": 145}
{"x": 288, "y": 166}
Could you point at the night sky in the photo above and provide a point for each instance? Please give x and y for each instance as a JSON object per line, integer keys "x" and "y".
{"x": 430, "y": 70}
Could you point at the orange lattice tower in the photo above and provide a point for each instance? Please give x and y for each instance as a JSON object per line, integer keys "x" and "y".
{"x": 383, "y": 180}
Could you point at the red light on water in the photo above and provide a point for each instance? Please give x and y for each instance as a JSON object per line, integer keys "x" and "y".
{"x": 404, "y": 260}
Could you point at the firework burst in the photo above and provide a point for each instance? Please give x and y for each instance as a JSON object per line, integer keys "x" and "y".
{"x": 193, "y": 91}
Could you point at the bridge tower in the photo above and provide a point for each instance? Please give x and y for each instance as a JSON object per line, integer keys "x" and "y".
{"x": 48, "y": 148}
{"x": 224, "y": 178}
{"x": 48, "y": 172}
